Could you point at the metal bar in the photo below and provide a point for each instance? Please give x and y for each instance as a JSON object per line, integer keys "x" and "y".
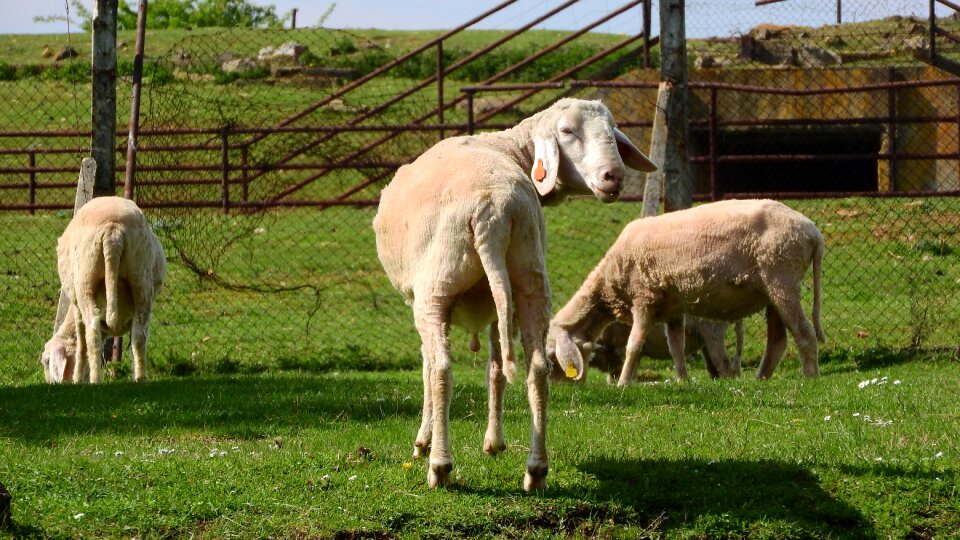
{"x": 245, "y": 183}
{"x": 714, "y": 187}
{"x": 766, "y": 2}
{"x": 892, "y": 131}
{"x": 440, "y": 87}
{"x": 839, "y": 12}
{"x": 646, "y": 32}
{"x": 470, "y": 125}
{"x": 824, "y": 157}
{"x": 32, "y": 193}
{"x": 950, "y": 36}
{"x": 225, "y": 173}
{"x": 135, "y": 103}
{"x": 949, "y": 4}
{"x": 933, "y": 31}
{"x": 423, "y": 84}
{"x": 510, "y": 87}
{"x": 779, "y": 91}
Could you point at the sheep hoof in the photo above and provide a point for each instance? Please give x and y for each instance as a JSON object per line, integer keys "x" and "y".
{"x": 438, "y": 474}
{"x": 535, "y": 479}
{"x": 493, "y": 446}
{"x": 421, "y": 450}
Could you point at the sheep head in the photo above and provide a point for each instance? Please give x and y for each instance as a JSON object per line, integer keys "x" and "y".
{"x": 579, "y": 150}
{"x": 569, "y": 355}
{"x": 58, "y": 357}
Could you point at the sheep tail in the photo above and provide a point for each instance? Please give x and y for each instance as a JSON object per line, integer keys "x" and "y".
{"x": 817, "y": 268}
{"x": 112, "y": 249}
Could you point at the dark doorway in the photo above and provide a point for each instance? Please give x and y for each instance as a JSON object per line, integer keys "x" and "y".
{"x": 785, "y": 175}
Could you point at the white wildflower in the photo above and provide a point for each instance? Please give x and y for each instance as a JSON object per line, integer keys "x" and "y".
{"x": 938, "y": 455}
{"x": 118, "y": 453}
{"x": 352, "y": 478}
{"x": 896, "y": 381}
{"x": 827, "y": 418}
{"x": 78, "y": 516}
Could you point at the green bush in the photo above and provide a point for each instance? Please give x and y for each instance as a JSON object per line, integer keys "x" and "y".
{"x": 7, "y": 72}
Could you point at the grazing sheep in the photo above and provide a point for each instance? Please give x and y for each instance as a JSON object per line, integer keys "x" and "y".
{"x": 111, "y": 267}
{"x": 720, "y": 261}
{"x": 460, "y": 233}
{"x": 707, "y": 337}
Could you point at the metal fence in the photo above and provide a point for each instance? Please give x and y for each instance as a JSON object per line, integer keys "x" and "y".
{"x": 262, "y": 154}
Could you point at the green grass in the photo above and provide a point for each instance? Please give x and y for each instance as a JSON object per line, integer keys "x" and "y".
{"x": 279, "y": 455}
{"x": 890, "y": 281}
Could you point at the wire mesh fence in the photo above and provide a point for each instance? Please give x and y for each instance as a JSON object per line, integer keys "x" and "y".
{"x": 263, "y": 152}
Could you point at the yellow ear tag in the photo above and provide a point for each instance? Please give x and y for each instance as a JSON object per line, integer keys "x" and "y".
{"x": 539, "y": 173}
{"x": 571, "y": 371}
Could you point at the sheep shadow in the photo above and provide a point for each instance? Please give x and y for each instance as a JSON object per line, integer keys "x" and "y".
{"x": 731, "y": 496}
{"x": 238, "y": 406}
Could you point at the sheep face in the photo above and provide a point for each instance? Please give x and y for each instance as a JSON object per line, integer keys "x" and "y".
{"x": 57, "y": 359}
{"x": 588, "y": 151}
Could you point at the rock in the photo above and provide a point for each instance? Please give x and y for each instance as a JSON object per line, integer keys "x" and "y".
{"x": 834, "y": 41}
{"x": 239, "y": 65}
{"x": 287, "y": 53}
{"x": 775, "y": 53}
{"x": 5, "y": 499}
{"x": 181, "y": 58}
{"x": 66, "y": 52}
{"x": 706, "y": 61}
{"x": 809, "y": 56}
{"x": 47, "y": 52}
{"x": 916, "y": 43}
{"x": 337, "y": 105}
{"x": 122, "y": 45}
{"x": 917, "y": 28}
{"x": 222, "y": 58}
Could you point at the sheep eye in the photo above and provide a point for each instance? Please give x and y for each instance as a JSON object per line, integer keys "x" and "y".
{"x": 566, "y": 131}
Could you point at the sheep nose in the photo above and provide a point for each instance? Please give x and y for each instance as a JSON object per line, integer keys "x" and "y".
{"x": 611, "y": 180}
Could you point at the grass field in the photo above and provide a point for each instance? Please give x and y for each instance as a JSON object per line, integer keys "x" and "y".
{"x": 301, "y": 455}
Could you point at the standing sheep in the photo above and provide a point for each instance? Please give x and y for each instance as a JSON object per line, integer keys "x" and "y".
{"x": 720, "y": 261}
{"x": 111, "y": 268}
{"x": 461, "y": 234}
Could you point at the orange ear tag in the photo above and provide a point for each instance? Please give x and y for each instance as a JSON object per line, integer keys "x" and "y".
{"x": 539, "y": 173}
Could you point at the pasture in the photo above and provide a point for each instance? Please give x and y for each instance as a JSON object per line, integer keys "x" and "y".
{"x": 262, "y": 422}
{"x": 303, "y": 455}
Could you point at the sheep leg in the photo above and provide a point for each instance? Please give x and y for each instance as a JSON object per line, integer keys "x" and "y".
{"x": 638, "y": 332}
{"x": 776, "y": 344}
{"x": 534, "y": 317}
{"x": 738, "y": 356}
{"x": 80, "y": 356}
{"x": 421, "y": 446}
{"x": 94, "y": 342}
{"x": 791, "y": 312}
{"x": 493, "y": 441}
{"x": 715, "y": 350}
{"x": 676, "y": 330}
{"x": 139, "y": 334}
{"x": 431, "y": 323}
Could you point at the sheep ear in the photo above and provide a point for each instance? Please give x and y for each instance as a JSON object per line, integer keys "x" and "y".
{"x": 569, "y": 357}
{"x": 60, "y": 365}
{"x": 631, "y": 155}
{"x": 546, "y": 161}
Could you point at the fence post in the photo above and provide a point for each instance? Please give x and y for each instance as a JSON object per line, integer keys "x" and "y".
{"x": 32, "y": 189}
{"x": 104, "y": 108}
{"x": 677, "y": 180}
{"x": 440, "y": 86}
{"x": 134, "y": 126}
{"x": 224, "y": 171}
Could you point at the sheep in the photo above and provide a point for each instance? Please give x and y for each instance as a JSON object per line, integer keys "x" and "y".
{"x": 720, "y": 261}
{"x": 111, "y": 268}
{"x": 460, "y": 233}
{"x": 707, "y": 337}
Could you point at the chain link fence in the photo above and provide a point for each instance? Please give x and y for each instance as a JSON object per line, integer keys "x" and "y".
{"x": 262, "y": 154}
